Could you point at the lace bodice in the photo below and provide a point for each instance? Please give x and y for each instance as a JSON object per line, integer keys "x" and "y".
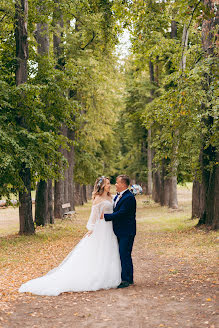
{"x": 106, "y": 207}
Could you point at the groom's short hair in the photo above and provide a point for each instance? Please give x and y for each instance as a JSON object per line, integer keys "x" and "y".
{"x": 125, "y": 179}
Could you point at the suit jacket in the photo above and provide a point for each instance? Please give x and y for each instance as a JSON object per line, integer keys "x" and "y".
{"x": 123, "y": 216}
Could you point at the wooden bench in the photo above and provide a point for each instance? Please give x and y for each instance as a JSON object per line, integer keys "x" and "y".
{"x": 68, "y": 213}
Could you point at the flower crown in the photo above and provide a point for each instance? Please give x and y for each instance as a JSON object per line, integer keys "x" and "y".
{"x": 100, "y": 181}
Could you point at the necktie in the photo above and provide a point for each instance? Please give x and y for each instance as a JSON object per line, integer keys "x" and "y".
{"x": 116, "y": 199}
{"x": 116, "y": 196}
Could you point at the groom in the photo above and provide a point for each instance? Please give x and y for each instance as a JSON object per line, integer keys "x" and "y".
{"x": 124, "y": 226}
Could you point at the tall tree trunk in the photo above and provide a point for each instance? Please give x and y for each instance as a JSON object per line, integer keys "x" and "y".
{"x": 89, "y": 189}
{"x": 21, "y": 14}
{"x": 58, "y": 52}
{"x": 185, "y": 38}
{"x": 209, "y": 157}
{"x": 71, "y": 155}
{"x": 165, "y": 184}
{"x": 155, "y": 179}
{"x": 173, "y": 201}
{"x": 58, "y": 199}
{"x": 144, "y": 156}
{"x": 50, "y": 212}
{"x": 42, "y": 37}
{"x": 41, "y": 203}
{"x": 156, "y": 191}
{"x": 149, "y": 162}
{"x": 25, "y": 208}
{"x": 66, "y": 180}
{"x": 198, "y": 199}
{"x": 173, "y": 32}
{"x": 21, "y": 38}
{"x": 172, "y": 183}
{"x": 84, "y": 193}
{"x": 78, "y": 196}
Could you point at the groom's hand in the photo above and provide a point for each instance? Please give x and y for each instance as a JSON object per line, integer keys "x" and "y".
{"x": 102, "y": 216}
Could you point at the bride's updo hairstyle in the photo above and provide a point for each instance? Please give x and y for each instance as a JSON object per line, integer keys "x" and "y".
{"x": 99, "y": 187}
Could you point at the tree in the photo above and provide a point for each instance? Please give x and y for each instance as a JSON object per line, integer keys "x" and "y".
{"x": 43, "y": 203}
{"x": 25, "y": 207}
{"x": 209, "y": 156}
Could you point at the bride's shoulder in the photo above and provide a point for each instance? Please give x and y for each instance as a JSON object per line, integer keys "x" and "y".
{"x": 98, "y": 200}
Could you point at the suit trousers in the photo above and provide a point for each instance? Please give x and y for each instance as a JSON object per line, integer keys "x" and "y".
{"x": 125, "y": 250}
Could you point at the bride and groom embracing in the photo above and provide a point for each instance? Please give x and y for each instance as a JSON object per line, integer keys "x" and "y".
{"x": 102, "y": 259}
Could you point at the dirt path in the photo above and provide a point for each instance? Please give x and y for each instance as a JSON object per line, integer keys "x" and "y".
{"x": 171, "y": 290}
{"x": 160, "y": 297}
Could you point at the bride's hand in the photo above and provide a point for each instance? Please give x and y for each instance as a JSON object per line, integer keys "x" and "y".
{"x": 102, "y": 216}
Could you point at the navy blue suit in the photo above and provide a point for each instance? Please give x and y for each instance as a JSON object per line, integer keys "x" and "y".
{"x": 124, "y": 227}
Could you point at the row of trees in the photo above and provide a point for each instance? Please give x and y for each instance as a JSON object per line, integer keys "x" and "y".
{"x": 59, "y": 95}
{"x": 69, "y": 112}
{"x": 170, "y": 120}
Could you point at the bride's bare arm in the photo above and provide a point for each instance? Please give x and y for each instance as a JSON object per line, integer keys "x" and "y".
{"x": 102, "y": 216}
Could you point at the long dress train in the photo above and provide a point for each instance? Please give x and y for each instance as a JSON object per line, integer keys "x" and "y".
{"x": 94, "y": 263}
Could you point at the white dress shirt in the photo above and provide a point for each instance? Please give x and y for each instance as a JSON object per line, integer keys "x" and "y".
{"x": 119, "y": 196}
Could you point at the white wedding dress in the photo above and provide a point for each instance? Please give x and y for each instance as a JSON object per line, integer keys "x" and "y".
{"x": 93, "y": 264}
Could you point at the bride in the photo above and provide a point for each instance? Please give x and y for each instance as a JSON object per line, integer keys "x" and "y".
{"x": 94, "y": 263}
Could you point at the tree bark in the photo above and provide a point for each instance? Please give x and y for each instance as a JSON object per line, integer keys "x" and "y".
{"x": 212, "y": 199}
{"x": 71, "y": 155}
{"x": 50, "y": 212}
{"x": 153, "y": 183}
{"x": 149, "y": 163}
{"x": 89, "y": 190}
{"x": 84, "y": 193}
{"x": 173, "y": 201}
{"x": 198, "y": 200}
{"x": 58, "y": 199}
{"x": 21, "y": 14}
{"x": 42, "y": 37}
{"x": 209, "y": 156}
{"x": 78, "y": 197}
{"x": 185, "y": 38}
{"x": 44, "y": 206}
{"x": 165, "y": 185}
{"x": 25, "y": 208}
{"x": 173, "y": 32}
{"x": 59, "y": 189}
{"x": 166, "y": 192}
{"x": 21, "y": 38}
{"x": 156, "y": 192}
{"x": 66, "y": 180}
{"x": 41, "y": 203}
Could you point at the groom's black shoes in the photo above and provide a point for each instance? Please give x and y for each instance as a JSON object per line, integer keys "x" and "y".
{"x": 124, "y": 284}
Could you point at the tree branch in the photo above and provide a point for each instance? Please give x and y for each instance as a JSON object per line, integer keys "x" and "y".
{"x": 93, "y": 33}
{"x": 3, "y": 18}
{"x": 89, "y": 42}
{"x": 187, "y": 28}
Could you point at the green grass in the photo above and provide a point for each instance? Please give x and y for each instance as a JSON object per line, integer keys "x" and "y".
{"x": 61, "y": 229}
{"x": 175, "y": 228}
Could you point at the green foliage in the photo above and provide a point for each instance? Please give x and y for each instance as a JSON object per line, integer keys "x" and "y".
{"x": 83, "y": 94}
{"x": 87, "y": 95}
{"x": 177, "y": 104}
